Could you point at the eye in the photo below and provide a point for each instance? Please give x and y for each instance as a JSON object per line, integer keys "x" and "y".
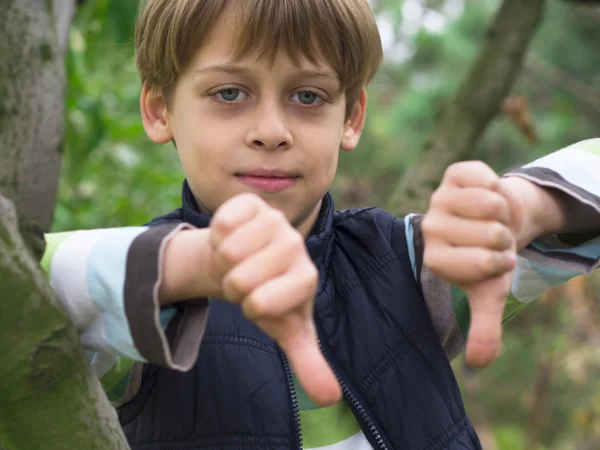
{"x": 229, "y": 95}
{"x": 307, "y": 97}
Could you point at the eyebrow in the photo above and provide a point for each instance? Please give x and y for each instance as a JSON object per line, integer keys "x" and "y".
{"x": 240, "y": 70}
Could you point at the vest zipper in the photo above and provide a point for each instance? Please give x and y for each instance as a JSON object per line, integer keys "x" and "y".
{"x": 355, "y": 404}
{"x": 295, "y": 407}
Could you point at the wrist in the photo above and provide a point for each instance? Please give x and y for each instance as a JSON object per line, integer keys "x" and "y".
{"x": 542, "y": 209}
{"x": 185, "y": 268}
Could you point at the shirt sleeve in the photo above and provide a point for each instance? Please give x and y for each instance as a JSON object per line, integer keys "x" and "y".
{"x": 546, "y": 263}
{"x": 108, "y": 281}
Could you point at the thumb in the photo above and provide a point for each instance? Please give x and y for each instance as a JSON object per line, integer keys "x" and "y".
{"x": 486, "y": 302}
{"x": 311, "y": 368}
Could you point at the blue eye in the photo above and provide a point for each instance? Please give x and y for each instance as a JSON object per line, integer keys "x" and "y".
{"x": 307, "y": 97}
{"x": 230, "y": 94}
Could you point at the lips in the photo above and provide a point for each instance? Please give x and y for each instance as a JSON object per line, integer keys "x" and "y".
{"x": 268, "y": 180}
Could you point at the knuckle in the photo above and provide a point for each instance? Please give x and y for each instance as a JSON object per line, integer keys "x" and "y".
{"x": 236, "y": 284}
{"x": 291, "y": 241}
{"x": 497, "y": 234}
{"x": 229, "y": 254}
{"x": 255, "y": 307}
{"x": 250, "y": 198}
{"x": 487, "y": 263}
{"x": 426, "y": 224}
{"x": 274, "y": 218}
{"x": 278, "y": 217}
{"x": 490, "y": 178}
{"x": 453, "y": 169}
{"x": 221, "y": 223}
{"x": 437, "y": 198}
{"x": 311, "y": 277}
{"x": 491, "y": 205}
{"x": 480, "y": 165}
{"x": 296, "y": 241}
{"x": 429, "y": 258}
{"x": 247, "y": 202}
{"x": 430, "y": 225}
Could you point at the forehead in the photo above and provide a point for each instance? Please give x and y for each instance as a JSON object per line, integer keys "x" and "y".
{"x": 232, "y": 40}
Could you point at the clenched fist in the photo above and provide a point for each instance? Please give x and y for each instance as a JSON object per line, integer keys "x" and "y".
{"x": 260, "y": 261}
{"x": 471, "y": 235}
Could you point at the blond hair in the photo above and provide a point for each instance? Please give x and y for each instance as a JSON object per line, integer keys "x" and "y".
{"x": 170, "y": 32}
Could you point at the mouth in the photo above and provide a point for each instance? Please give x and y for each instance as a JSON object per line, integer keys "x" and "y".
{"x": 268, "y": 180}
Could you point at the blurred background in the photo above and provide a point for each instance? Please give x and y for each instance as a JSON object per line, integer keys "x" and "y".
{"x": 543, "y": 392}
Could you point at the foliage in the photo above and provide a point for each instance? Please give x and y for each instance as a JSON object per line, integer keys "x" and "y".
{"x": 113, "y": 176}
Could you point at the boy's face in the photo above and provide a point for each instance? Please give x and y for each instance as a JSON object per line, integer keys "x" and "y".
{"x": 248, "y": 126}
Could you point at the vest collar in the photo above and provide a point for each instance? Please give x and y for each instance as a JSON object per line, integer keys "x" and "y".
{"x": 318, "y": 242}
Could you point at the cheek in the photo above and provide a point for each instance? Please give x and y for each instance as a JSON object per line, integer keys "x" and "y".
{"x": 324, "y": 159}
{"x": 205, "y": 143}
{"x": 329, "y": 148}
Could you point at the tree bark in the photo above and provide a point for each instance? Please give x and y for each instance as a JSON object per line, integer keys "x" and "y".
{"x": 48, "y": 396}
{"x": 33, "y": 39}
{"x": 479, "y": 99}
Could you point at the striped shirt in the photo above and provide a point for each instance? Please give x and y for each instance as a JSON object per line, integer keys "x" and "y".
{"x": 108, "y": 281}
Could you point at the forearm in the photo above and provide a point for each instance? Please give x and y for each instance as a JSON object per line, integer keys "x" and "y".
{"x": 184, "y": 266}
{"x": 109, "y": 280}
{"x": 558, "y": 213}
{"x": 563, "y": 196}
{"x": 549, "y": 210}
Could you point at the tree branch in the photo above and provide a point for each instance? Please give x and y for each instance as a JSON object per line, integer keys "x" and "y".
{"x": 563, "y": 80}
{"x": 479, "y": 99}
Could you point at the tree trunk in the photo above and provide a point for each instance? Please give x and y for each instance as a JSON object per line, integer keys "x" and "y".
{"x": 479, "y": 99}
{"x": 48, "y": 396}
{"x": 33, "y": 39}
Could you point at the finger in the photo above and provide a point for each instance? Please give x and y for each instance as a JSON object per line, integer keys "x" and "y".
{"x": 471, "y": 174}
{"x": 467, "y": 265}
{"x": 467, "y": 232}
{"x": 516, "y": 205}
{"x": 247, "y": 239}
{"x": 313, "y": 372}
{"x": 283, "y": 294}
{"x": 472, "y": 203}
{"x": 233, "y": 213}
{"x": 485, "y": 332}
{"x": 268, "y": 264}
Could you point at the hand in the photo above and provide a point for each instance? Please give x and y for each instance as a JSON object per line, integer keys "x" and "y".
{"x": 471, "y": 232}
{"x": 261, "y": 262}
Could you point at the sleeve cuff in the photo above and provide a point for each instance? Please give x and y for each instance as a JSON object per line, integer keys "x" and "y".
{"x": 573, "y": 170}
{"x": 177, "y": 347}
{"x": 448, "y": 311}
{"x": 552, "y": 260}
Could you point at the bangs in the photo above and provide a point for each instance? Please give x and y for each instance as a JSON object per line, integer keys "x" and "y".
{"x": 310, "y": 29}
{"x": 342, "y": 32}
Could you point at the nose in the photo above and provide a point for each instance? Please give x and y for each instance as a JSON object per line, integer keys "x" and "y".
{"x": 270, "y": 130}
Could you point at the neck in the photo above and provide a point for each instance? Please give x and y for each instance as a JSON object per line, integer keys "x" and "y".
{"x": 306, "y": 225}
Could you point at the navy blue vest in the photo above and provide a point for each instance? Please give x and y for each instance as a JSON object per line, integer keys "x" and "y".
{"x": 374, "y": 329}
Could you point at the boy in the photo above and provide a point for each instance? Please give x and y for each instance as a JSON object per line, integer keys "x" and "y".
{"x": 258, "y": 96}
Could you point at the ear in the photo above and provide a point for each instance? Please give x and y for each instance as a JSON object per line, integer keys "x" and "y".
{"x": 154, "y": 115}
{"x": 354, "y": 125}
